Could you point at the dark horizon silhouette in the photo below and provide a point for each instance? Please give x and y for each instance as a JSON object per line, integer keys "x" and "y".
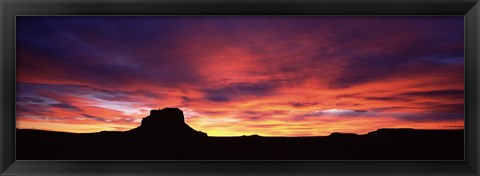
{"x": 164, "y": 135}
{"x": 172, "y": 119}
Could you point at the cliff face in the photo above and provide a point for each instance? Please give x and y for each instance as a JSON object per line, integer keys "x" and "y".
{"x": 166, "y": 122}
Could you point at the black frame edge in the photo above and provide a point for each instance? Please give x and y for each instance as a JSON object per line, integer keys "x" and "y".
{"x": 238, "y": 168}
{"x": 7, "y": 125}
{"x": 239, "y": 7}
{"x": 472, "y": 64}
{"x": 10, "y": 8}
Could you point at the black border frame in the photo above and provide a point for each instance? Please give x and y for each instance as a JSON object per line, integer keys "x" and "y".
{"x": 11, "y": 8}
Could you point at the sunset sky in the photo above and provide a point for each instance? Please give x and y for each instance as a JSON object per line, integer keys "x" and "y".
{"x": 241, "y": 75}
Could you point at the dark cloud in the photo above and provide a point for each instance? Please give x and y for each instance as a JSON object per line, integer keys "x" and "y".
{"x": 257, "y": 115}
{"x": 217, "y": 97}
{"x": 45, "y": 118}
{"x": 348, "y": 95}
{"x": 303, "y": 104}
{"x": 64, "y": 106}
{"x": 437, "y": 94}
{"x": 448, "y": 54}
{"x": 392, "y": 98}
{"x": 186, "y": 100}
{"x": 30, "y": 99}
{"x": 264, "y": 113}
{"x": 34, "y": 89}
{"x": 429, "y": 116}
{"x": 365, "y": 69}
{"x": 254, "y": 118}
{"x": 451, "y": 108}
{"x": 391, "y": 108}
{"x": 95, "y": 118}
{"x": 240, "y": 90}
{"x": 23, "y": 109}
{"x": 360, "y": 111}
{"x": 113, "y": 58}
{"x": 252, "y": 112}
{"x": 425, "y": 47}
{"x": 250, "y": 88}
{"x": 411, "y": 95}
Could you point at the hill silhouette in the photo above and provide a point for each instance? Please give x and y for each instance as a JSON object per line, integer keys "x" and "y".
{"x": 164, "y": 135}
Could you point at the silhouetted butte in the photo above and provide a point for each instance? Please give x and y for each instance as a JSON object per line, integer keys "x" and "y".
{"x": 167, "y": 122}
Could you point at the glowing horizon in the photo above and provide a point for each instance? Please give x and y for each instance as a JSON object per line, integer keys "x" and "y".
{"x": 234, "y": 76}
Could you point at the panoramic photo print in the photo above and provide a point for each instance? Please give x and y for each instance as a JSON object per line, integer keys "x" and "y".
{"x": 240, "y": 87}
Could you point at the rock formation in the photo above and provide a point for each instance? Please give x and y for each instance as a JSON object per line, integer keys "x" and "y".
{"x": 166, "y": 122}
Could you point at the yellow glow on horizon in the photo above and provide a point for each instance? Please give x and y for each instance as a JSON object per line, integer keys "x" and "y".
{"x": 72, "y": 128}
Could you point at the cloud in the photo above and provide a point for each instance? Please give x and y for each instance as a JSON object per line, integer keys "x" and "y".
{"x": 237, "y": 91}
{"x": 451, "y": 108}
{"x": 215, "y": 97}
{"x": 393, "y": 98}
{"x": 429, "y": 116}
{"x": 95, "y": 118}
{"x": 64, "y": 106}
{"x": 436, "y": 93}
{"x": 30, "y": 99}
{"x": 389, "y": 108}
{"x": 303, "y": 104}
{"x": 391, "y": 55}
{"x": 113, "y": 59}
